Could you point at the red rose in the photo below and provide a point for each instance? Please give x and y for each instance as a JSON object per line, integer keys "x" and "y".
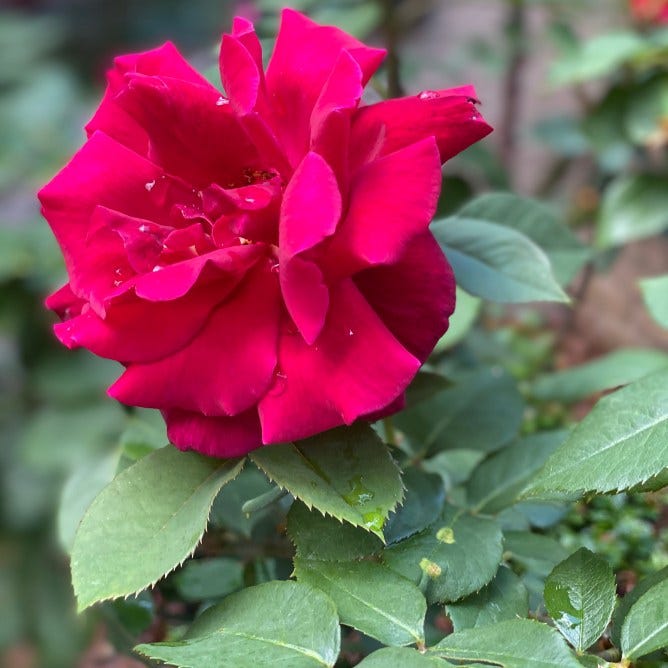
{"x": 260, "y": 263}
{"x": 650, "y": 11}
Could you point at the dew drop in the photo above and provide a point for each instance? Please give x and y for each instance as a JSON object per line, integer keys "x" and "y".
{"x": 149, "y": 186}
{"x": 221, "y": 101}
{"x": 428, "y": 95}
{"x": 156, "y": 268}
{"x": 250, "y": 200}
{"x": 350, "y": 332}
{"x": 144, "y": 228}
{"x": 275, "y": 268}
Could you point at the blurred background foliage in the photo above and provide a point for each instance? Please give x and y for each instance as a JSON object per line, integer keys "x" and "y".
{"x": 578, "y": 95}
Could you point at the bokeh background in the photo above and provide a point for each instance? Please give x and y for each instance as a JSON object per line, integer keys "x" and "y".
{"x": 55, "y": 420}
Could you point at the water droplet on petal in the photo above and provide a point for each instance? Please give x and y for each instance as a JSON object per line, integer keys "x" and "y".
{"x": 156, "y": 268}
{"x": 149, "y": 186}
{"x": 144, "y": 228}
{"x": 350, "y": 332}
{"x": 275, "y": 268}
{"x": 428, "y": 95}
{"x": 250, "y": 200}
{"x": 221, "y": 101}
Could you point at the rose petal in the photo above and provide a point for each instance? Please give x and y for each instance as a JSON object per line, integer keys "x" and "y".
{"x": 214, "y": 436}
{"x": 64, "y": 302}
{"x": 449, "y": 115}
{"x": 240, "y": 74}
{"x": 415, "y": 296}
{"x": 225, "y": 368}
{"x": 355, "y": 367}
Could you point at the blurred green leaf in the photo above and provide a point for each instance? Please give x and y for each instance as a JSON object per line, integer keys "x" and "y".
{"x": 645, "y": 627}
{"x": 505, "y": 597}
{"x": 534, "y": 552}
{"x": 369, "y": 597}
{"x": 634, "y": 207}
{"x": 272, "y": 624}
{"x": 161, "y": 503}
{"x": 602, "y": 452}
{"x": 655, "y": 293}
{"x": 203, "y": 579}
{"x": 620, "y": 367}
{"x": 647, "y": 107}
{"x": 347, "y": 473}
{"x": 580, "y": 597}
{"x": 461, "y": 321}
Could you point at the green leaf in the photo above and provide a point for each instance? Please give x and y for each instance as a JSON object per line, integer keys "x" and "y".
{"x": 618, "y": 368}
{"x": 538, "y": 223}
{"x": 465, "y": 552}
{"x": 401, "y": 657}
{"x": 646, "y": 109}
{"x": 325, "y": 538}
{"x": 597, "y": 57}
{"x": 625, "y": 603}
{"x": 505, "y": 597}
{"x": 466, "y": 313}
{"x": 534, "y": 552}
{"x": 496, "y": 262}
{"x": 422, "y": 504}
{"x": 518, "y": 643}
{"x": 482, "y": 412}
{"x": 162, "y": 504}
{"x": 497, "y": 482}
{"x": 273, "y": 624}
{"x": 621, "y": 443}
{"x": 655, "y": 293}
{"x": 580, "y": 596}
{"x": 204, "y": 579}
{"x": 347, "y": 473}
{"x": 369, "y": 597}
{"x": 634, "y": 207}
{"x": 645, "y": 627}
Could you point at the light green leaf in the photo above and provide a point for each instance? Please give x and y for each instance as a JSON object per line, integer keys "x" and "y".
{"x": 618, "y": 368}
{"x": 202, "y": 579}
{"x": 625, "y": 603}
{"x": 325, "y": 538}
{"x": 645, "y": 627}
{"x": 482, "y": 412}
{"x": 621, "y": 443}
{"x": 466, "y": 312}
{"x": 580, "y": 596}
{"x": 272, "y": 625}
{"x": 534, "y": 552}
{"x": 537, "y": 222}
{"x": 369, "y": 597}
{"x": 597, "y": 57}
{"x": 460, "y": 554}
{"x": 496, "y": 262}
{"x": 505, "y": 597}
{"x": 497, "y": 482}
{"x": 347, "y": 473}
{"x": 162, "y": 504}
{"x": 518, "y": 643}
{"x": 655, "y": 293}
{"x": 634, "y": 207}
{"x": 401, "y": 657}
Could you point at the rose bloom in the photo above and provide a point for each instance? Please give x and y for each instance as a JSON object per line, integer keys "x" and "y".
{"x": 260, "y": 263}
{"x": 651, "y": 11}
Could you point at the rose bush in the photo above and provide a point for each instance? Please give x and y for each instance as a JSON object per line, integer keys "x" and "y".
{"x": 652, "y": 11}
{"x": 260, "y": 263}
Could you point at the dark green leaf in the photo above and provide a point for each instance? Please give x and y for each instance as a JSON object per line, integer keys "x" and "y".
{"x": 202, "y": 579}
{"x": 645, "y": 627}
{"x": 369, "y": 597}
{"x": 274, "y": 624}
{"x": 621, "y": 443}
{"x": 401, "y": 657}
{"x": 538, "y": 554}
{"x": 326, "y": 538}
{"x": 505, "y": 597}
{"x": 162, "y": 504}
{"x": 459, "y": 554}
{"x": 347, "y": 473}
{"x": 580, "y": 596}
{"x": 518, "y": 643}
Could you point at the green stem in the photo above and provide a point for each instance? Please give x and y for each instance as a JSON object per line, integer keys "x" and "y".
{"x": 264, "y": 500}
{"x": 390, "y": 432}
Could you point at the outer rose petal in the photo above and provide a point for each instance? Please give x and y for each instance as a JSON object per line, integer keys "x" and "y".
{"x": 354, "y": 368}
{"x": 64, "y": 302}
{"x": 415, "y": 296}
{"x": 241, "y": 76}
{"x": 226, "y": 368}
{"x": 112, "y": 119}
{"x": 302, "y": 61}
{"x": 214, "y": 436}
{"x": 449, "y": 115}
{"x": 377, "y": 228}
